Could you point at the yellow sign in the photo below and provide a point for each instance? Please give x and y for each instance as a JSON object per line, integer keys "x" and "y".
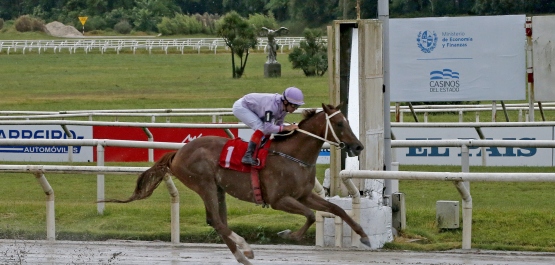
{"x": 83, "y": 20}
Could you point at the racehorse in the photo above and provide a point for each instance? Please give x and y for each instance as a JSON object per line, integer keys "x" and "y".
{"x": 286, "y": 181}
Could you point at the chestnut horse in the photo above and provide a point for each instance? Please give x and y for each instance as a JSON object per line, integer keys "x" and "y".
{"x": 286, "y": 181}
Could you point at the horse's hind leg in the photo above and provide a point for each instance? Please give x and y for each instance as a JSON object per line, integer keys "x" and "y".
{"x": 319, "y": 204}
{"x": 291, "y": 205}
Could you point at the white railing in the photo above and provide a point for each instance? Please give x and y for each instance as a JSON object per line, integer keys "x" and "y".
{"x": 425, "y": 110}
{"x": 132, "y": 45}
{"x": 40, "y": 170}
{"x": 460, "y": 179}
{"x": 216, "y": 114}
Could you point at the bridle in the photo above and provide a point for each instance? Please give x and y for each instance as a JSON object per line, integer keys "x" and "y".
{"x": 337, "y": 142}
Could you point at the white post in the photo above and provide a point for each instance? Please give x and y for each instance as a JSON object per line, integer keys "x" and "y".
{"x": 50, "y": 212}
{"x": 467, "y": 213}
{"x": 338, "y": 231}
{"x": 464, "y": 189}
{"x": 100, "y": 179}
{"x": 319, "y": 229}
{"x": 175, "y": 233}
{"x": 69, "y": 148}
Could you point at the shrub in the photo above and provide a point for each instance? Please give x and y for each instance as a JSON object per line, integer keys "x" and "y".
{"x": 193, "y": 25}
{"x": 181, "y": 24}
{"x": 27, "y": 23}
{"x": 1, "y": 23}
{"x": 165, "y": 26}
{"x": 115, "y": 16}
{"x": 259, "y": 21}
{"x": 95, "y": 23}
{"x": 208, "y": 22}
{"x": 37, "y": 24}
{"x": 311, "y": 56}
{"x": 123, "y": 27}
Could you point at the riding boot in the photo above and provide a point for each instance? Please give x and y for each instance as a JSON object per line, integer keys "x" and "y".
{"x": 247, "y": 158}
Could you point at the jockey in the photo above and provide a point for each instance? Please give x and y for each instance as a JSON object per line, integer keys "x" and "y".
{"x": 265, "y": 113}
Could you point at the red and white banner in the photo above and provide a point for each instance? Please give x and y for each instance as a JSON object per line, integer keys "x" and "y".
{"x": 128, "y": 154}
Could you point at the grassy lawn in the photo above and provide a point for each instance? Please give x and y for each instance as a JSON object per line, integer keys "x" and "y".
{"x": 511, "y": 216}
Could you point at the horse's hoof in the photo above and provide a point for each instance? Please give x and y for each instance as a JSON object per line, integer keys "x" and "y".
{"x": 249, "y": 254}
{"x": 365, "y": 241}
{"x": 284, "y": 234}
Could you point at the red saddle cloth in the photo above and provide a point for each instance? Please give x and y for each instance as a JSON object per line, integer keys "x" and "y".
{"x": 233, "y": 152}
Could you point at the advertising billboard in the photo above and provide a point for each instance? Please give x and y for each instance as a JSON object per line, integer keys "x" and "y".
{"x": 493, "y": 156}
{"x": 44, "y": 153}
{"x": 458, "y": 58}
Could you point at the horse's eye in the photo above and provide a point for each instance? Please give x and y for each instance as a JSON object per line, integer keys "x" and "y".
{"x": 340, "y": 124}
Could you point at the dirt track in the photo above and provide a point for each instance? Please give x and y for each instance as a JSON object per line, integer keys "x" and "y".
{"x": 140, "y": 252}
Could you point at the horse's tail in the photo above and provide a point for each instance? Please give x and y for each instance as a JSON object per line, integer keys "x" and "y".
{"x": 149, "y": 180}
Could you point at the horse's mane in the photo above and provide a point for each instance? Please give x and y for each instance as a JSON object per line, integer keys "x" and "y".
{"x": 307, "y": 115}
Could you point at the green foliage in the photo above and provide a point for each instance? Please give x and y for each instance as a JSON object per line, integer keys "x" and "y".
{"x": 143, "y": 19}
{"x": 180, "y": 24}
{"x": 208, "y": 22}
{"x": 311, "y": 56}
{"x": 116, "y": 15}
{"x": 305, "y": 13}
{"x": 314, "y": 13}
{"x": 95, "y": 23}
{"x": 1, "y": 23}
{"x": 260, "y": 20}
{"x": 239, "y": 36}
{"x": 123, "y": 27}
{"x": 27, "y": 23}
{"x": 278, "y": 8}
{"x": 148, "y": 13}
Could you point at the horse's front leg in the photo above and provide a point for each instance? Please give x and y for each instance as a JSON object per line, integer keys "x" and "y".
{"x": 319, "y": 204}
{"x": 214, "y": 203}
{"x": 291, "y": 205}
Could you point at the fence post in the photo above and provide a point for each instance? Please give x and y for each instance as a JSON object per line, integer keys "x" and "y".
{"x": 100, "y": 179}
{"x": 50, "y": 212}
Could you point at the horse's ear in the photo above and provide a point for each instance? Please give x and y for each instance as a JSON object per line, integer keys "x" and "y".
{"x": 326, "y": 108}
{"x": 340, "y": 105}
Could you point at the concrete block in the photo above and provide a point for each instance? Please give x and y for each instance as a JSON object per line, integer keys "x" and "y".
{"x": 375, "y": 220}
{"x": 272, "y": 70}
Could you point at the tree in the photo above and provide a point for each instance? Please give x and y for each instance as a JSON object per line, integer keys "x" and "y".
{"x": 239, "y": 36}
{"x": 314, "y": 13}
{"x": 311, "y": 56}
{"x": 244, "y": 7}
{"x": 148, "y": 13}
{"x": 279, "y": 8}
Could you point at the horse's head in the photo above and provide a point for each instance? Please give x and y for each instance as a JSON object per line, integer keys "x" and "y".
{"x": 338, "y": 130}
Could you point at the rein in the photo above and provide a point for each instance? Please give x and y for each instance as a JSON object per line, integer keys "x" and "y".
{"x": 291, "y": 158}
{"x": 328, "y": 127}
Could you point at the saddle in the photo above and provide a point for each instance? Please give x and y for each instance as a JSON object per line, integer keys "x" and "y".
{"x": 233, "y": 151}
{"x": 230, "y": 158}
